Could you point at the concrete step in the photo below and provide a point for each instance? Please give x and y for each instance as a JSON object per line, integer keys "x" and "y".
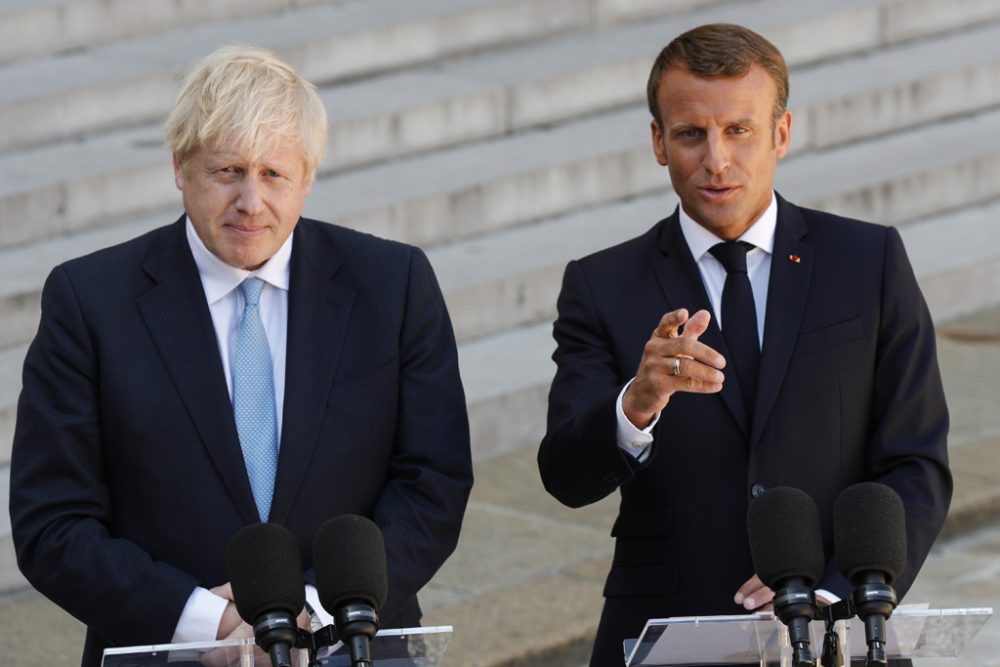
{"x": 455, "y": 193}
{"x": 136, "y": 80}
{"x": 57, "y": 188}
{"x": 48, "y": 99}
{"x": 31, "y": 28}
{"x": 487, "y": 95}
{"x": 891, "y": 180}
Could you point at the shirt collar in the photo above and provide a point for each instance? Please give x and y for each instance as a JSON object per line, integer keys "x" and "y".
{"x": 761, "y": 232}
{"x": 219, "y": 279}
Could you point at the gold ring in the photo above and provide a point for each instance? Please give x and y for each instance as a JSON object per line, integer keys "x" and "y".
{"x": 677, "y": 366}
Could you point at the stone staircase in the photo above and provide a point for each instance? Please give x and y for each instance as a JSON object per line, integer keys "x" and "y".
{"x": 506, "y": 137}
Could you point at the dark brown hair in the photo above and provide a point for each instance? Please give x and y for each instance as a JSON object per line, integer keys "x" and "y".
{"x": 719, "y": 49}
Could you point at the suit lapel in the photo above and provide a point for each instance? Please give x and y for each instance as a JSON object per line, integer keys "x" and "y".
{"x": 788, "y": 290}
{"x": 681, "y": 282}
{"x": 318, "y": 313}
{"x": 179, "y": 322}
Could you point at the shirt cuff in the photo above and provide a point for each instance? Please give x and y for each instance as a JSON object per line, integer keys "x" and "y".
{"x": 831, "y": 597}
{"x": 199, "y": 621}
{"x": 631, "y": 439}
{"x": 312, "y": 598}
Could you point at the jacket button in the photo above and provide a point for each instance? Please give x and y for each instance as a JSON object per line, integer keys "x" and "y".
{"x": 612, "y": 478}
{"x": 756, "y": 490}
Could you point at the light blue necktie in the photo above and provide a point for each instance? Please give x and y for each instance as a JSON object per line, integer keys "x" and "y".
{"x": 253, "y": 399}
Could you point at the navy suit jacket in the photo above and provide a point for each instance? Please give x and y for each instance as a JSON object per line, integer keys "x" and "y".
{"x": 849, "y": 390}
{"x": 127, "y": 479}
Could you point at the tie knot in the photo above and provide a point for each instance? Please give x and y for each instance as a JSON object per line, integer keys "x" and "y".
{"x": 732, "y": 255}
{"x": 252, "y": 287}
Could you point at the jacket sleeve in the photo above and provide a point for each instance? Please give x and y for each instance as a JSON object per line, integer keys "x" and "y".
{"x": 421, "y": 507}
{"x": 907, "y": 446}
{"x": 60, "y": 500}
{"x": 579, "y": 459}
{"x": 908, "y": 449}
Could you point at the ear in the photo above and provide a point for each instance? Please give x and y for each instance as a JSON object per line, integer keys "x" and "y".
{"x": 178, "y": 173}
{"x": 783, "y": 134}
{"x": 659, "y": 147}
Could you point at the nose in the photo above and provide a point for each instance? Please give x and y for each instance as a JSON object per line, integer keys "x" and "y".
{"x": 717, "y": 158}
{"x": 250, "y": 201}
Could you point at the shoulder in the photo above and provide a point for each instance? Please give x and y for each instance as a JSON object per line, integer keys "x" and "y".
{"x": 108, "y": 268}
{"x": 371, "y": 263}
{"x": 825, "y": 225}
{"x": 353, "y": 246}
{"x": 131, "y": 251}
{"x": 633, "y": 252}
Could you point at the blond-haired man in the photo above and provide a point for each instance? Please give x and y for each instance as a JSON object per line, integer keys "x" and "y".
{"x": 151, "y": 428}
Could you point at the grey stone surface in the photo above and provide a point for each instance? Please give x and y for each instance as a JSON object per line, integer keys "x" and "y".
{"x": 965, "y": 572}
{"x": 324, "y": 42}
{"x": 35, "y": 27}
{"x": 910, "y": 20}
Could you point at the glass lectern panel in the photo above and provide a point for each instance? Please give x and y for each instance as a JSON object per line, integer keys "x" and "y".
{"x": 762, "y": 639}
{"x": 408, "y": 647}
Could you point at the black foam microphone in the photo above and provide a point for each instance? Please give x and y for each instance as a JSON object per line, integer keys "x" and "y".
{"x": 351, "y": 579}
{"x": 869, "y": 534}
{"x": 265, "y": 570}
{"x": 787, "y": 550}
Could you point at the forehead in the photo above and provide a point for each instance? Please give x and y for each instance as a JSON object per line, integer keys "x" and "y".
{"x": 687, "y": 97}
{"x": 269, "y": 150}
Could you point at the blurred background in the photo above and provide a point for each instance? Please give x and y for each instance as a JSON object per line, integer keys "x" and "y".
{"x": 506, "y": 137}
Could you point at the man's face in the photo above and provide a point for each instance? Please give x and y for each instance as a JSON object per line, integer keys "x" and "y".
{"x": 718, "y": 143}
{"x": 243, "y": 210}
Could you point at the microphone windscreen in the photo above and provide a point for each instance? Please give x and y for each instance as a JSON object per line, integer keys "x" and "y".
{"x": 869, "y": 531}
{"x": 349, "y": 557}
{"x": 785, "y": 539}
{"x": 265, "y": 570}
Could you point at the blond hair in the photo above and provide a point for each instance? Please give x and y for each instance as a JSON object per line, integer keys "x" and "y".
{"x": 246, "y": 96}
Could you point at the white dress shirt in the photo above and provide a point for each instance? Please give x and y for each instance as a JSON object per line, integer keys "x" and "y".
{"x": 636, "y": 441}
{"x": 200, "y": 618}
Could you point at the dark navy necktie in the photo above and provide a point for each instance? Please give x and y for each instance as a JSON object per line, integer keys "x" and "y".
{"x": 739, "y": 317}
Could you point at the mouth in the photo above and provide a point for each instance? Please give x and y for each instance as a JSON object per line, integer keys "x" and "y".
{"x": 716, "y": 192}
{"x": 246, "y": 230}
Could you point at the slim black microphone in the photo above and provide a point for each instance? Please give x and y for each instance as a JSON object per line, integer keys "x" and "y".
{"x": 787, "y": 550}
{"x": 351, "y": 579}
{"x": 265, "y": 570}
{"x": 869, "y": 535}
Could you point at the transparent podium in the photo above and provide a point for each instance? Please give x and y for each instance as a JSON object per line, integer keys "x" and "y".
{"x": 408, "y": 647}
{"x": 762, "y": 639}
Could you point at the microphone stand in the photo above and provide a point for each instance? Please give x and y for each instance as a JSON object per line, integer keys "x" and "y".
{"x": 313, "y": 641}
{"x": 838, "y": 611}
{"x": 867, "y": 599}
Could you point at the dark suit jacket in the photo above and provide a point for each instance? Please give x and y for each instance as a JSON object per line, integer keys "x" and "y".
{"x": 849, "y": 390}
{"x": 127, "y": 479}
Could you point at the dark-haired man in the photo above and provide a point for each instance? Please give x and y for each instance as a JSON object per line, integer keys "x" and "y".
{"x": 741, "y": 343}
